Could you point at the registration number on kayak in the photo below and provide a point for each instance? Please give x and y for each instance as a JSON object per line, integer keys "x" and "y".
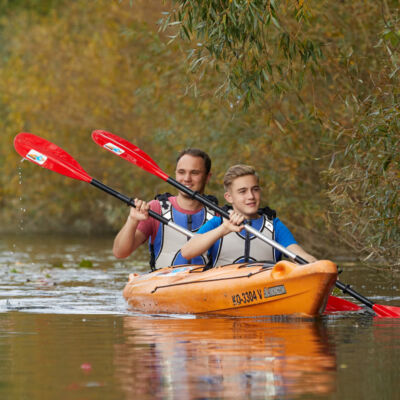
{"x": 253, "y": 295}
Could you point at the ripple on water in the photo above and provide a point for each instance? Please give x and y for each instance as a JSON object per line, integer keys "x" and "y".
{"x": 42, "y": 275}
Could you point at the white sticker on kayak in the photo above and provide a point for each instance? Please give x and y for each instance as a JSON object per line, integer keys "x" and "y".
{"x": 36, "y": 157}
{"x": 115, "y": 149}
{"x": 274, "y": 291}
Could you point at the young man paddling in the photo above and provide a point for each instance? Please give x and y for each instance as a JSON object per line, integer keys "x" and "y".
{"x": 193, "y": 170}
{"x": 227, "y": 241}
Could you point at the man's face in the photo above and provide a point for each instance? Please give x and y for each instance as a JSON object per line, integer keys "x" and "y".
{"x": 191, "y": 172}
{"x": 245, "y": 195}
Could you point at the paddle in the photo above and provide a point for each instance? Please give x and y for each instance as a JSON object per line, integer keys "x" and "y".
{"x": 48, "y": 155}
{"x": 133, "y": 154}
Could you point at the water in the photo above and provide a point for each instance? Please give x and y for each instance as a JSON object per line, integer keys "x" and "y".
{"x": 45, "y": 274}
{"x": 66, "y": 333}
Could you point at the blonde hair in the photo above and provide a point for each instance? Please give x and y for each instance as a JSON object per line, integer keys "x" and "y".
{"x": 236, "y": 171}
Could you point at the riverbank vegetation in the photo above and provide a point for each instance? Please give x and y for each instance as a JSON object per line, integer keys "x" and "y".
{"x": 307, "y": 92}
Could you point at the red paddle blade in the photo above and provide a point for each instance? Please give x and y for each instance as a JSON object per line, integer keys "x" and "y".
{"x": 386, "y": 311}
{"x": 48, "y": 155}
{"x": 339, "y": 304}
{"x": 128, "y": 151}
{"x": 120, "y": 146}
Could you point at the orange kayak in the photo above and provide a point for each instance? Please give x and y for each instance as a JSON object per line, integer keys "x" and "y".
{"x": 255, "y": 289}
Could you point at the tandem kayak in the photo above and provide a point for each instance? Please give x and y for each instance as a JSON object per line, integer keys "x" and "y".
{"x": 246, "y": 290}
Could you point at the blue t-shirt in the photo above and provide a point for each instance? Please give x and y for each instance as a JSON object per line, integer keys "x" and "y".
{"x": 282, "y": 234}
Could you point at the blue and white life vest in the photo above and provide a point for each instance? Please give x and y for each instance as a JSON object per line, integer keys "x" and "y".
{"x": 242, "y": 246}
{"x": 165, "y": 250}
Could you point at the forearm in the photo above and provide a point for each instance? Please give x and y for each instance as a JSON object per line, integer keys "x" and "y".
{"x": 201, "y": 242}
{"x": 298, "y": 250}
{"x": 126, "y": 241}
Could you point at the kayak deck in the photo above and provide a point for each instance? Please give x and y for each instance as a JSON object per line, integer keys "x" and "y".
{"x": 255, "y": 289}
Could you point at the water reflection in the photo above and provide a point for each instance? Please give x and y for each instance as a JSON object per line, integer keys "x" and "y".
{"x": 66, "y": 332}
{"x": 231, "y": 358}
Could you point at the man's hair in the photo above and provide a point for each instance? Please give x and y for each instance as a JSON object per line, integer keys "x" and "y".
{"x": 196, "y": 153}
{"x": 236, "y": 171}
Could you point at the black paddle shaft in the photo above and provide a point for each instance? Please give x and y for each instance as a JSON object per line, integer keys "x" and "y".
{"x": 347, "y": 289}
{"x": 128, "y": 200}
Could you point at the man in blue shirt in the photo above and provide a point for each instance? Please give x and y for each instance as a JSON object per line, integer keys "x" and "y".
{"x": 227, "y": 241}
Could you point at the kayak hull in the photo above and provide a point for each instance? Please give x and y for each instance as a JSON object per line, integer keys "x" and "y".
{"x": 245, "y": 290}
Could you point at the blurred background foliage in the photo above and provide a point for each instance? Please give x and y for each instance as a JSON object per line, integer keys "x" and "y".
{"x": 306, "y": 91}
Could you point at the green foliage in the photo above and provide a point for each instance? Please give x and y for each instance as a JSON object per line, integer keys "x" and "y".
{"x": 365, "y": 183}
{"x": 75, "y": 72}
{"x": 85, "y": 264}
{"x": 258, "y": 45}
{"x": 322, "y": 132}
{"x": 364, "y": 176}
{"x": 58, "y": 264}
{"x": 43, "y": 7}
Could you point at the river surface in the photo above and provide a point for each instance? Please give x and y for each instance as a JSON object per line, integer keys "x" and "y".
{"x": 67, "y": 333}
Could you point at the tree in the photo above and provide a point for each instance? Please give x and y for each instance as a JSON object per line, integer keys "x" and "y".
{"x": 257, "y": 45}
{"x": 348, "y": 53}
